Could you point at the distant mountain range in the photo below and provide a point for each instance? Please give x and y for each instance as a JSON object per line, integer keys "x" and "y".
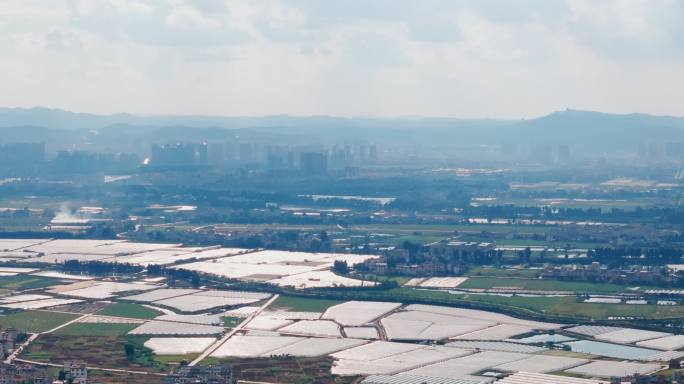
{"x": 584, "y": 129}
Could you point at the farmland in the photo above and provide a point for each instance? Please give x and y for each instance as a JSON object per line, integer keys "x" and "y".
{"x": 131, "y": 310}
{"x": 541, "y": 285}
{"x": 423, "y": 325}
{"x": 95, "y": 329}
{"x": 299, "y": 304}
{"x": 35, "y": 321}
{"x": 99, "y": 351}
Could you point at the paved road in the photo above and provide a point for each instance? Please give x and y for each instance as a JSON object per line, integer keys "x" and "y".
{"x": 34, "y": 336}
{"x": 20, "y": 348}
{"x": 228, "y": 335}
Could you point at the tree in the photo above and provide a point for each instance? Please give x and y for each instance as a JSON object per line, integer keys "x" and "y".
{"x": 340, "y": 267}
{"x": 129, "y": 350}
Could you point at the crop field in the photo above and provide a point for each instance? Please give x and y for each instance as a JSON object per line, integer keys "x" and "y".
{"x": 35, "y": 321}
{"x": 207, "y": 319}
{"x": 39, "y": 304}
{"x": 283, "y": 268}
{"x": 22, "y": 282}
{"x": 387, "y": 357}
{"x": 100, "y": 351}
{"x": 105, "y": 289}
{"x": 135, "y": 311}
{"x": 541, "y": 285}
{"x": 286, "y": 370}
{"x": 524, "y": 273}
{"x": 159, "y": 328}
{"x": 614, "y": 369}
{"x": 231, "y": 322}
{"x": 95, "y": 329}
{"x": 123, "y": 378}
{"x": 358, "y": 312}
{"x": 321, "y": 328}
{"x": 178, "y": 346}
{"x": 569, "y": 306}
{"x": 299, "y": 304}
{"x": 566, "y": 306}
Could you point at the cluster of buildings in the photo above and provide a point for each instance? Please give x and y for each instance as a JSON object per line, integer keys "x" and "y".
{"x": 307, "y": 160}
{"x": 24, "y": 373}
{"x": 597, "y": 272}
{"x": 545, "y": 153}
{"x": 209, "y": 374}
{"x": 72, "y": 373}
{"x": 657, "y": 151}
{"x": 676, "y": 378}
{"x": 403, "y": 262}
{"x": 8, "y": 339}
{"x": 310, "y": 160}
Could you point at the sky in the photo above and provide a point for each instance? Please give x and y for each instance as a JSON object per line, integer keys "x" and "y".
{"x": 450, "y": 58}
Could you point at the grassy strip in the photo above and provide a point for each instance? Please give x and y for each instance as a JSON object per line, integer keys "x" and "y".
{"x": 542, "y": 285}
{"x": 96, "y": 329}
{"x": 130, "y": 310}
{"x": 299, "y": 304}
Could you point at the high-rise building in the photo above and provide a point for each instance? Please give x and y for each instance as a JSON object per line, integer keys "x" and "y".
{"x": 173, "y": 155}
{"x": 203, "y": 154}
{"x": 217, "y": 154}
{"x": 246, "y": 153}
{"x": 313, "y": 163}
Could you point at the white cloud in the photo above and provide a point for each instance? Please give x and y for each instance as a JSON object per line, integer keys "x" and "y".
{"x": 483, "y": 58}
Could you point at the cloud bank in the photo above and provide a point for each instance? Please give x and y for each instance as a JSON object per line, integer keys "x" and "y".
{"x": 479, "y": 58}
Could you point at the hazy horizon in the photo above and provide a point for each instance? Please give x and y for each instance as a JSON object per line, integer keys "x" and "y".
{"x": 378, "y": 117}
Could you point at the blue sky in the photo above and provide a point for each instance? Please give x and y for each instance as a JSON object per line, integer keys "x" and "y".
{"x": 480, "y": 58}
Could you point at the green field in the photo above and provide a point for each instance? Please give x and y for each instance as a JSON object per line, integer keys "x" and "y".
{"x": 503, "y": 272}
{"x": 231, "y": 322}
{"x": 541, "y": 285}
{"x": 35, "y": 321}
{"x": 95, "y": 329}
{"x": 299, "y": 304}
{"x": 22, "y": 282}
{"x": 396, "y": 229}
{"x": 563, "y": 306}
{"x": 130, "y": 310}
{"x": 603, "y": 311}
{"x": 174, "y": 359}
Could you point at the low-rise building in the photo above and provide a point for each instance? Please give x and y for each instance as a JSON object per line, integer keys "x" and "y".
{"x": 210, "y": 374}
{"x": 24, "y": 373}
{"x": 76, "y": 372}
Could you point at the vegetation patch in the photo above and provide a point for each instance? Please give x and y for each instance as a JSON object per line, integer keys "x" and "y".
{"x": 130, "y": 310}
{"x": 98, "y": 351}
{"x": 541, "y": 285}
{"x": 35, "y": 321}
{"x": 303, "y": 304}
{"x": 96, "y": 329}
{"x": 285, "y": 369}
{"x": 231, "y": 322}
{"x": 22, "y": 282}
